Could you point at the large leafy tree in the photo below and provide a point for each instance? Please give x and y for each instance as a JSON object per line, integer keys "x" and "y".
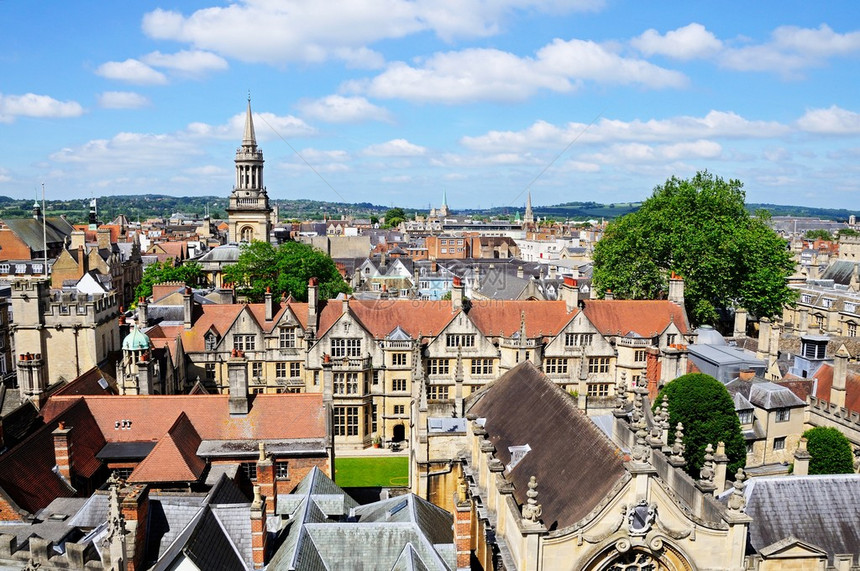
{"x": 286, "y": 268}
{"x": 707, "y": 411}
{"x": 700, "y": 229}
{"x": 191, "y": 274}
{"x": 830, "y": 451}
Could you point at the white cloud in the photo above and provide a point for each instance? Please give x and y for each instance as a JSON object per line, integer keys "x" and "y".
{"x": 831, "y": 121}
{"x": 395, "y": 148}
{"x": 122, "y": 100}
{"x": 689, "y": 42}
{"x": 276, "y": 32}
{"x": 189, "y": 63}
{"x": 340, "y": 109}
{"x": 495, "y": 75}
{"x": 4, "y": 175}
{"x": 267, "y": 126}
{"x": 32, "y": 105}
{"x": 131, "y": 71}
{"x": 208, "y": 170}
{"x": 716, "y": 124}
{"x": 129, "y": 151}
{"x": 792, "y": 50}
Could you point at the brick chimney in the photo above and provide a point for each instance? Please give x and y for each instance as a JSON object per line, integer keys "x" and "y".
{"x": 135, "y": 510}
{"x": 266, "y": 477}
{"x": 462, "y": 527}
{"x": 840, "y": 376}
{"x": 103, "y": 238}
{"x": 63, "y": 451}
{"x": 258, "y": 529}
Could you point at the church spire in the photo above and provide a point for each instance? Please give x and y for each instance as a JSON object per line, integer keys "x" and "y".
{"x": 249, "y": 139}
{"x": 528, "y": 217}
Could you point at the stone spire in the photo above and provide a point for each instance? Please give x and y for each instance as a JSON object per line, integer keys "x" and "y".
{"x": 114, "y": 541}
{"x": 531, "y": 509}
{"x": 249, "y": 139}
{"x": 528, "y": 217}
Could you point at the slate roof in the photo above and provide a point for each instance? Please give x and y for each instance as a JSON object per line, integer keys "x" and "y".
{"x": 820, "y": 510}
{"x": 646, "y": 318}
{"x": 840, "y": 271}
{"x": 524, "y": 407}
{"x": 763, "y": 394}
{"x": 29, "y": 230}
{"x": 404, "y": 532}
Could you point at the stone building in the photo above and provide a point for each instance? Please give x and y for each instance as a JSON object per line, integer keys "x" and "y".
{"x": 249, "y": 215}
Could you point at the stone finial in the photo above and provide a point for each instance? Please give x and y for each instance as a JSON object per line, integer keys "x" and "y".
{"x": 737, "y": 501}
{"x": 664, "y": 412}
{"x": 677, "y": 457}
{"x": 461, "y": 490}
{"x": 706, "y": 474}
{"x": 621, "y": 397}
{"x": 258, "y": 499}
{"x": 531, "y": 509}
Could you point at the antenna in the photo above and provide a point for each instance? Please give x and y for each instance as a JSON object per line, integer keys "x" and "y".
{"x": 44, "y": 232}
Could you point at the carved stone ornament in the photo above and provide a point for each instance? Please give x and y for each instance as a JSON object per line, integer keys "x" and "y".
{"x": 706, "y": 475}
{"x": 531, "y": 509}
{"x": 640, "y": 518}
{"x": 737, "y": 501}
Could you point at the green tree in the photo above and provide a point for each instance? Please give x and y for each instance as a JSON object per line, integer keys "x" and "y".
{"x": 700, "y": 229}
{"x": 286, "y": 268}
{"x": 830, "y": 451}
{"x": 818, "y": 234}
{"x": 191, "y": 274}
{"x": 848, "y": 232}
{"x": 707, "y": 412}
{"x": 394, "y": 216}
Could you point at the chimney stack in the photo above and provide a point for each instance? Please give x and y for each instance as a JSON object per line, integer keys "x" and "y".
{"x": 740, "y": 322}
{"x": 801, "y": 459}
{"x": 457, "y": 294}
{"x": 267, "y": 300}
{"x": 259, "y": 534}
{"x": 840, "y": 375}
{"x": 676, "y": 289}
{"x": 187, "y": 305}
{"x": 237, "y": 375}
{"x": 141, "y": 312}
{"x": 569, "y": 291}
{"x": 63, "y": 451}
{"x": 312, "y": 305}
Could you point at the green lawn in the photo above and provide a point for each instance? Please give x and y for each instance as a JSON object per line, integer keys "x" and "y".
{"x": 371, "y": 471}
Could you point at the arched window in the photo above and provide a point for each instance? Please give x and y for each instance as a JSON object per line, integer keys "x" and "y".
{"x": 247, "y": 234}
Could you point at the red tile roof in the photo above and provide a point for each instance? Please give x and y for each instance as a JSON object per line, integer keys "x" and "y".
{"x": 646, "y": 318}
{"x": 825, "y": 382}
{"x": 89, "y": 384}
{"x": 26, "y": 471}
{"x": 381, "y": 317}
{"x": 277, "y": 416}
{"x": 174, "y": 458}
{"x": 503, "y": 317}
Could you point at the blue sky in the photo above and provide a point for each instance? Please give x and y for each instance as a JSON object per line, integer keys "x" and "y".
{"x": 395, "y": 101}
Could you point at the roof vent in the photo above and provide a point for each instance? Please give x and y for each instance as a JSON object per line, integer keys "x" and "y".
{"x": 517, "y": 454}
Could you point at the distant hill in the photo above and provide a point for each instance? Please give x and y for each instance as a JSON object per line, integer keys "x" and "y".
{"x": 161, "y": 206}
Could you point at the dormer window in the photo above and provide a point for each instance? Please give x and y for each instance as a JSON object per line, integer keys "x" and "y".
{"x": 805, "y": 298}
{"x": 828, "y": 303}
{"x": 211, "y": 341}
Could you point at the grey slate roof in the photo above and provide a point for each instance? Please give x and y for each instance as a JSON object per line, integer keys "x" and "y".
{"x": 821, "y": 510}
{"x": 763, "y": 394}
{"x": 523, "y": 407}
{"x": 404, "y": 532}
{"x": 840, "y": 271}
{"x": 29, "y": 230}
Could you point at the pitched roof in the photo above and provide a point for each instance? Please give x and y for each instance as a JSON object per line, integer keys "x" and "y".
{"x": 27, "y": 474}
{"x": 645, "y": 318}
{"x": 174, "y": 458}
{"x": 380, "y": 317}
{"x": 821, "y": 510}
{"x": 272, "y": 417}
{"x": 503, "y": 317}
{"x": 524, "y": 407}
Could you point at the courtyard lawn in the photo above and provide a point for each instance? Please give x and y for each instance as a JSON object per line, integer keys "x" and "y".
{"x": 371, "y": 472}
